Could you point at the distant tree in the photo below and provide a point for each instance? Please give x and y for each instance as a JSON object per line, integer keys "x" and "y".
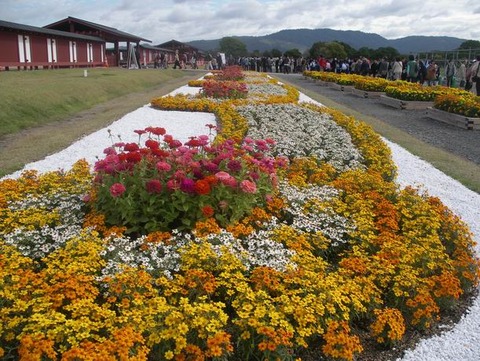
{"x": 386, "y": 52}
{"x": 317, "y": 49}
{"x": 349, "y": 50}
{"x": 276, "y": 53}
{"x": 294, "y": 53}
{"x": 255, "y": 53}
{"x": 233, "y": 46}
{"x": 470, "y": 44}
{"x": 328, "y": 50}
{"x": 267, "y": 53}
{"x": 365, "y": 52}
{"x": 335, "y": 50}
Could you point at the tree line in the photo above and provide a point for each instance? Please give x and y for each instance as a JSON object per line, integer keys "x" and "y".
{"x": 334, "y": 49}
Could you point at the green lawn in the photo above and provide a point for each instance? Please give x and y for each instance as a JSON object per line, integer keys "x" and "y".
{"x": 43, "y": 111}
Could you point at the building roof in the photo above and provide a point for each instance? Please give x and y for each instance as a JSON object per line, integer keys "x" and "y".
{"x": 177, "y": 45}
{"x": 52, "y": 32}
{"x": 71, "y": 24}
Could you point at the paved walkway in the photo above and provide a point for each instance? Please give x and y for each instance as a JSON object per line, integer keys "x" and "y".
{"x": 455, "y": 140}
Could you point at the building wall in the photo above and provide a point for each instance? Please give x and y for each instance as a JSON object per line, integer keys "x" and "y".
{"x": 38, "y": 48}
{"x": 30, "y": 50}
{"x": 9, "y": 46}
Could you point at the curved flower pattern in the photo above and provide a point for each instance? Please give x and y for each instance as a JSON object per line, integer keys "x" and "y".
{"x": 219, "y": 250}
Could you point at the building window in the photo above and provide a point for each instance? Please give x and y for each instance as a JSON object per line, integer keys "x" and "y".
{"x": 24, "y": 50}
{"x": 52, "y": 50}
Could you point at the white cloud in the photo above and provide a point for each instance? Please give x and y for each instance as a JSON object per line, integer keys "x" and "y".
{"x": 187, "y": 20}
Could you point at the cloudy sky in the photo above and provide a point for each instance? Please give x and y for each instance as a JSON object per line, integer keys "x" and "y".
{"x": 187, "y": 20}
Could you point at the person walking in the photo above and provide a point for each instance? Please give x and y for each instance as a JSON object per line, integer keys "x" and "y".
{"x": 450, "y": 71}
{"x": 412, "y": 69}
{"x": 397, "y": 69}
{"x": 431, "y": 73}
{"x": 473, "y": 75}
{"x": 461, "y": 74}
{"x": 177, "y": 61}
{"x": 383, "y": 68}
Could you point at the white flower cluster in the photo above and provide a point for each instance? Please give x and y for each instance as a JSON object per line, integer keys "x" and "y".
{"x": 265, "y": 89}
{"x": 301, "y": 132}
{"x": 38, "y": 243}
{"x": 309, "y": 212}
{"x": 157, "y": 259}
{"x": 165, "y": 258}
{"x": 257, "y": 249}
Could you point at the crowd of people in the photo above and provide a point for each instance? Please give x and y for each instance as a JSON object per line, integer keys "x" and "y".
{"x": 451, "y": 73}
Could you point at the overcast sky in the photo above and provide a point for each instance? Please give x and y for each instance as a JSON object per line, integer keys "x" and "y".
{"x": 187, "y": 20}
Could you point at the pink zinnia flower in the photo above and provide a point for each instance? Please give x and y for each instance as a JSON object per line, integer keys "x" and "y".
{"x": 163, "y": 166}
{"x": 109, "y": 150}
{"x": 234, "y": 165}
{"x": 187, "y": 185}
{"x": 248, "y": 186}
{"x": 173, "y": 185}
{"x": 117, "y": 189}
{"x": 210, "y": 166}
{"x": 261, "y": 144}
{"x": 221, "y": 176}
{"x": 226, "y": 179}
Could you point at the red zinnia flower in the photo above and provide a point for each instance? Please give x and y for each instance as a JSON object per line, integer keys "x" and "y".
{"x": 202, "y": 187}
{"x": 208, "y": 211}
{"x": 157, "y": 130}
{"x": 131, "y": 147}
{"x": 134, "y": 157}
{"x": 154, "y": 186}
{"x": 152, "y": 144}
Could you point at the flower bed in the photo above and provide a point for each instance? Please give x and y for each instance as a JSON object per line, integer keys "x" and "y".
{"x": 413, "y": 91}
{"x": 372, "y": 84}
{"x": 462, "y": 103}
{"x": 330, "y": 245}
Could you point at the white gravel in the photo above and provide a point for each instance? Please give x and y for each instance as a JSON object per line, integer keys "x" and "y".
{"x": 460, "y": 343}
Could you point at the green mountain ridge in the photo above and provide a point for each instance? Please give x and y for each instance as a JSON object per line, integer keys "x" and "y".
{"x": 303, "y": 39}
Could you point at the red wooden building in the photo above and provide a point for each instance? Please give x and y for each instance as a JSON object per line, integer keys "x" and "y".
{"x": 185, "y": 51}
{"x": 108, "y": 34}
{"x": 30, "y": 47}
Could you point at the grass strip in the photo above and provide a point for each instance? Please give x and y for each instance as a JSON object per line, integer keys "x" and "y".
{"x": 36, "y": 137}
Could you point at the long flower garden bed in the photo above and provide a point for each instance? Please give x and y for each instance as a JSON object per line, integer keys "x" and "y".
{"x": 405, "y": 95}
{"x": 284, "y": 237}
